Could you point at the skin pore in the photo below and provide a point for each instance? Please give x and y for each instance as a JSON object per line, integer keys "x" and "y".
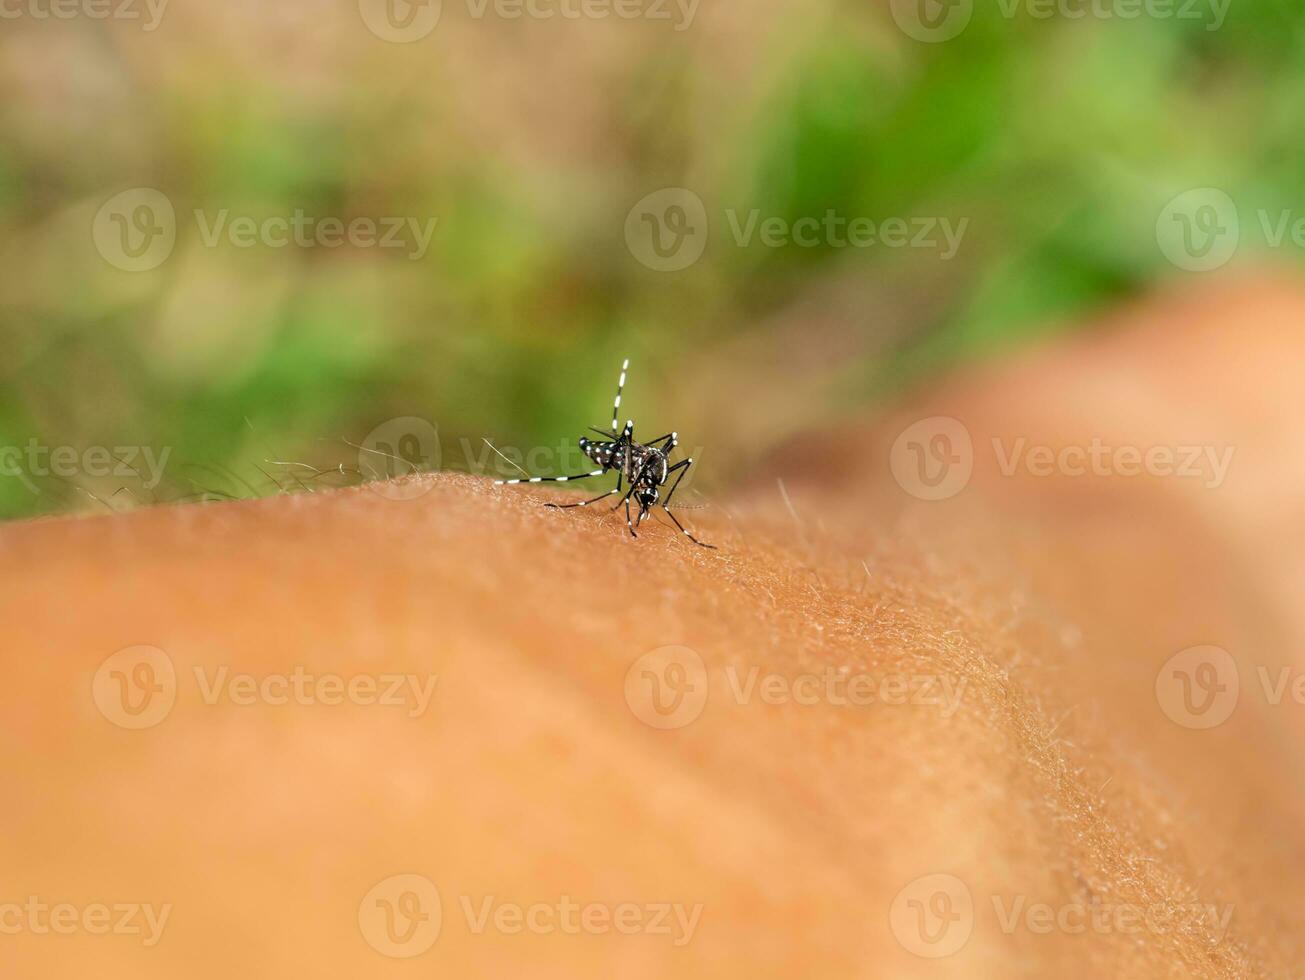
{"x": 895, "y": 690}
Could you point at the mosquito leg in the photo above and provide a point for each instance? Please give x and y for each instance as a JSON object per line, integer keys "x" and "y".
{"x": 628, "y": 525}
{"x": 634, "y": 485}
{"x": 583, "y": 503}
{"x": 549, "y": 479}
{"x": 700, "y": 544}
{"x": 683, "y": 466}
{"x": 672, "y": 439}
{"x": 621, "y": 462}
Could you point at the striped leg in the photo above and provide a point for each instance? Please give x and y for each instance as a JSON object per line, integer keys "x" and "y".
{"x": 683, "y": 466}
{"x": 671, "y": 437}
{"x": 700, "y": 544}
{"x": 549, "y": 479}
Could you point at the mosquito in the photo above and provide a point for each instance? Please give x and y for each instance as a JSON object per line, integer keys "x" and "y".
{"x": 645, "y": 467}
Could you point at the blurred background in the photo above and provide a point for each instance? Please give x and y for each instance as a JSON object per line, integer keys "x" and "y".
{"x": 240, "y": 241}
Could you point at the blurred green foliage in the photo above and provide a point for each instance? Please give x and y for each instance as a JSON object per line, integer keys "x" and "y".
{"x": 1058, "y": 140}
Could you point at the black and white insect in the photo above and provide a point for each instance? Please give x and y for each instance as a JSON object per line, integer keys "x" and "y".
{"x": 645, "y": 467}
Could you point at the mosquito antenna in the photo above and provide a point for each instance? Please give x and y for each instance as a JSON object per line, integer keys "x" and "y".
{"x": 620, "y": 386}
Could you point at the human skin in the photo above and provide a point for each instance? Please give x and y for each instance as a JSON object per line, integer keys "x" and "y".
{"x": 1055, "y": 778}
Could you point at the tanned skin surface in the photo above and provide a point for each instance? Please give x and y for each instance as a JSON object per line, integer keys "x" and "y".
{"x": 1047, "y": 605}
